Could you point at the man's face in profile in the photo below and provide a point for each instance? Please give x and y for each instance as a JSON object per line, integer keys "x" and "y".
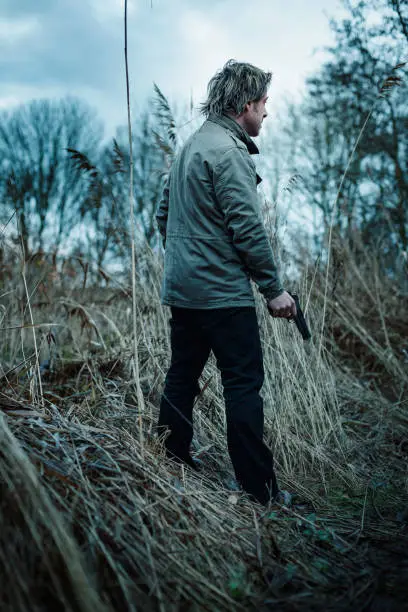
{"x": 254, "y": 114}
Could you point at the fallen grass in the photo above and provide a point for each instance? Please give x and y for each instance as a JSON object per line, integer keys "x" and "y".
{"x": 86, "y": 523}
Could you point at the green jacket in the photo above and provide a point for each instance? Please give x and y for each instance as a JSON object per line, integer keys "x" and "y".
{"x": 210, "y": 221}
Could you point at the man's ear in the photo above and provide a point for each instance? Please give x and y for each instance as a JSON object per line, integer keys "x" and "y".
{"x": 246, "y": 109}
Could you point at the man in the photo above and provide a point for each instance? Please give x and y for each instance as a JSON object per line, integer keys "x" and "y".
{"x": 215, "y": 242}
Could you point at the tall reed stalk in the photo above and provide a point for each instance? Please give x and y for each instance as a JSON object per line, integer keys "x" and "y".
{"x": 23, "y": 274}
{"x": 139, "y": 394}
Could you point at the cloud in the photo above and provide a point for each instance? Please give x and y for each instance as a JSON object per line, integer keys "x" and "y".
{"x": 107, "y": 10}
{"x": 24, "y": 8}
{"x": 196, "y": 28}
{"x": 67, "y": 49}
{"x": 76, "y": 47}
{"x": 17, "y": 31}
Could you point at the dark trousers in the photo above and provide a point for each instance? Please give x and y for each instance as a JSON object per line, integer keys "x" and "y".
{"x": 233, "y": 336}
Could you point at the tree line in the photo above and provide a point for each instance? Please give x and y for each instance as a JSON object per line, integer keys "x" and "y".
{"x": 68, "y": 188}
{"x": 361, "y": 85}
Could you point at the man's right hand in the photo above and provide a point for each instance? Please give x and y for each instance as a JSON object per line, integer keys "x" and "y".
{"x": 282, "y": 306}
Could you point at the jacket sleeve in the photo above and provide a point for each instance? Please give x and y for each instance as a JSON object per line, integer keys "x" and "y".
{"x": 236, "y": 193}
{"x": 163, "y": 210}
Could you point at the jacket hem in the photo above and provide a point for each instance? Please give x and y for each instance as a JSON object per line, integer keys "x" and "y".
{"x": 208, "y": 305}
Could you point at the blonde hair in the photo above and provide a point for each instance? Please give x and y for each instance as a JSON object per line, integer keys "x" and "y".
{"x": 236, "y": 84}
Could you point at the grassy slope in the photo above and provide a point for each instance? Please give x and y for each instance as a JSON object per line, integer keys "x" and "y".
{"x": 92, "y": 518}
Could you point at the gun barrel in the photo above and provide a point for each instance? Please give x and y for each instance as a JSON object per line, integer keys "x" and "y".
{"x": 300, "y": 320}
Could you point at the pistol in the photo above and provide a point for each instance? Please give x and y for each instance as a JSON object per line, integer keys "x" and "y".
{"x": 300, "y": 320}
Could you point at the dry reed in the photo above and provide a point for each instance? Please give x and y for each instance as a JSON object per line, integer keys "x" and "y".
{"x": 87, "y": 521}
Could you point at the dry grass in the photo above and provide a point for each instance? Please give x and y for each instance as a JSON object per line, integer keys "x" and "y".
{"x": 86, "y": 523}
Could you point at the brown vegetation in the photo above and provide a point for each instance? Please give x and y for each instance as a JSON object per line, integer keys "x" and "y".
{"x": 92, "y": 519}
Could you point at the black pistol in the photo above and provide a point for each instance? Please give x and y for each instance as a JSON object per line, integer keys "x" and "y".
{"x": 300, "y": 319}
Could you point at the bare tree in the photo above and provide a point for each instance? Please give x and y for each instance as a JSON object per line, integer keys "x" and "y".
{"x": 104, "y": 209}
{"x": 37, "y": 178}
{"x": 354, "y": 84}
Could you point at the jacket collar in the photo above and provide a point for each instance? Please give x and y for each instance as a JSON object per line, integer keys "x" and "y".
{"x": 234, "y": 127}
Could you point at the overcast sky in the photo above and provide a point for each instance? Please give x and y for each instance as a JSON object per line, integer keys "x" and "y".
{"x": 49, "y": 48}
